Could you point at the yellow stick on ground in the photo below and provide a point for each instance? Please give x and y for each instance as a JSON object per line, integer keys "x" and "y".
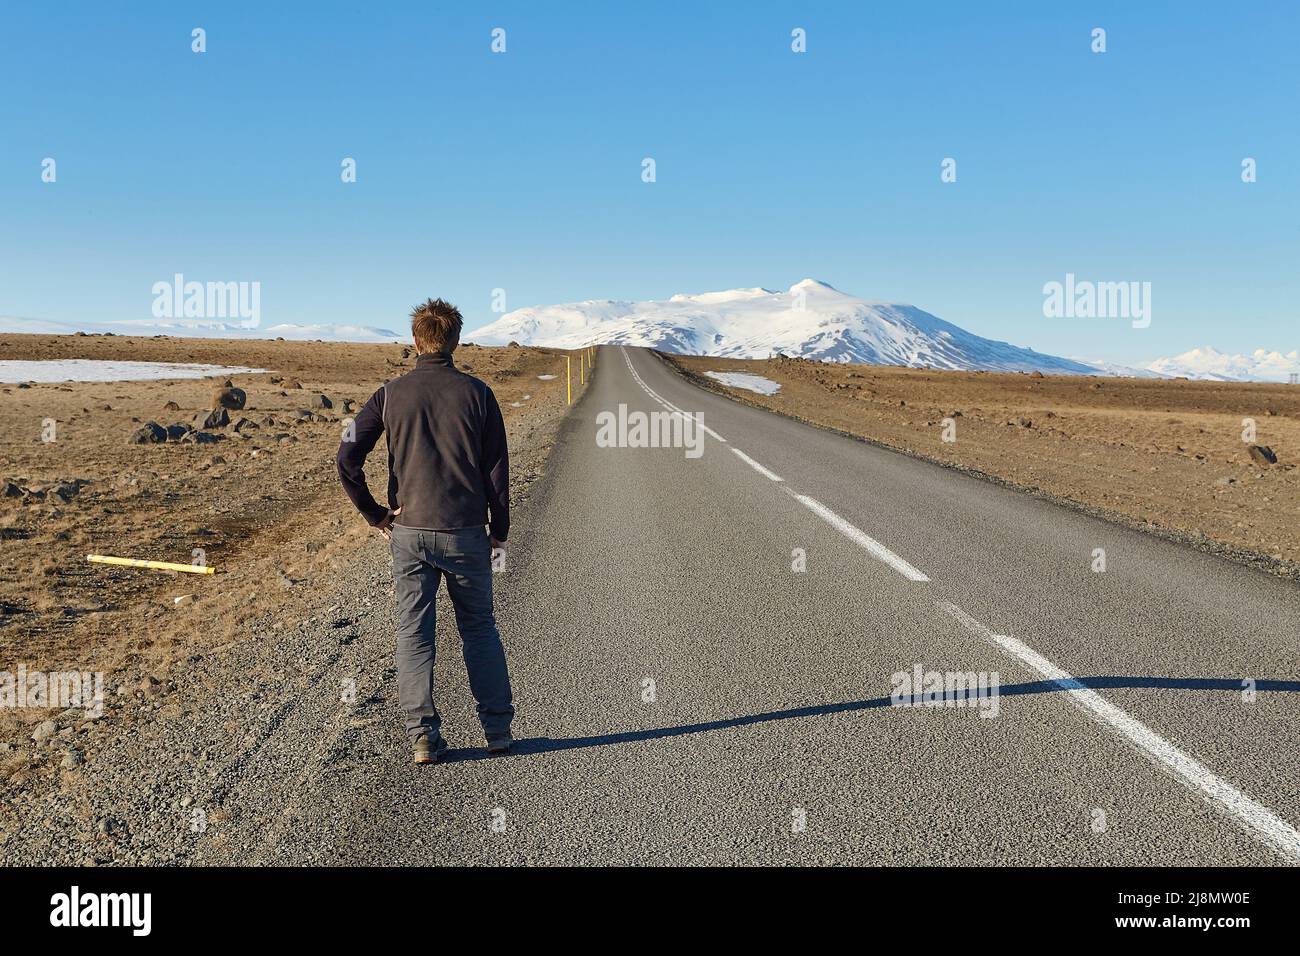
{"x": 568, "y": 378}
{"x": 154, "y": 565}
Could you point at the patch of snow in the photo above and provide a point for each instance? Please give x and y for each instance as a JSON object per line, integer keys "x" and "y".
{"x": 755, "y": 383}
{"x": 94, "y": 370}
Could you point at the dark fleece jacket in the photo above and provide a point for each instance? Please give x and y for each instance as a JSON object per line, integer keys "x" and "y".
{"x": 448, "y": 466}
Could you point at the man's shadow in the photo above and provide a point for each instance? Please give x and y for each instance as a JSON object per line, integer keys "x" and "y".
{"x": 542, "y": 745}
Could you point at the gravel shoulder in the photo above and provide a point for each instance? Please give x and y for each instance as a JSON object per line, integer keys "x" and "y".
{"x": 261, "y": 680}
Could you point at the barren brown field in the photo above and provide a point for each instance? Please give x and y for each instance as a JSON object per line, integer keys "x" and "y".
{"x": 261, "y": 500}
{"x": 1164, "y": 455}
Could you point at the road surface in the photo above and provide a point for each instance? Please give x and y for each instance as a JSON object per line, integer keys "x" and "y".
{"x": 691, "y": 691}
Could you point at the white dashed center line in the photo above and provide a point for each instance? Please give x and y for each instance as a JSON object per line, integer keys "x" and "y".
{"x": 857, "y": 535}
{"x": 665, "y": 403}
{"x": 861, "y": 538}
{"x": 756, "y": 466}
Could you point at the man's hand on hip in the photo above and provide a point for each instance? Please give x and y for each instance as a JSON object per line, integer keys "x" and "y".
{"x": 386, "y": 522}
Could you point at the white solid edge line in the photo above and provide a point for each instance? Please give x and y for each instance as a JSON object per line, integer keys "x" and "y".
{"x": 766, "y": 473}
{"x": 1255, "y": 817}
{"x": 870, "y": 544}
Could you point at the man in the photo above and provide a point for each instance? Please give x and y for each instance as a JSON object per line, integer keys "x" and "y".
{"x": 448, "y": 475}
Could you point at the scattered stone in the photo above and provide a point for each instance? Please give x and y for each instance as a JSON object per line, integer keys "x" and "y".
{"x": 183, "y": 600}
{"x": 1224, "y": 482}
{"x": 1262, "y": 455}
{"x": 65, "y": 491}
{"x": 171, "y": 407}
{"x": 177, "y": 432}
{"x": 217, "y": 418}
{"x": 229, "y": 397}
{"x": 44, "y": 731}
{"x": 199, "y": 438}
{"x": 10, "y": 490}
{"x": 321, "y": 401}
{"x": 293, "y": 383}
{"x": 245, "y": 425}
{"x": 71, "y": 759}
{"x": 150, "y": 433}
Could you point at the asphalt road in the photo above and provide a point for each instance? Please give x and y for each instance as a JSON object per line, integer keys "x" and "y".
{"x": 687, "y": 694}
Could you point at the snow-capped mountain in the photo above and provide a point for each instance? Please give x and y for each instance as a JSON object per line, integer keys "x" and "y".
{"x": 196, "y": 328}
{"x": 1209, "y": 363}
{"x": 811, "y": 320}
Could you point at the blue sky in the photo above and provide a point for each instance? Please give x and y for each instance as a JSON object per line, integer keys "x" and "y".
{"x": 523, "y": 170}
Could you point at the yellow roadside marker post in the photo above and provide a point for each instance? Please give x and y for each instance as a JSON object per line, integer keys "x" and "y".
{"x": 153, "y": 565}
{"x": 568, "y": 378}
{"x": 582, "y": 368}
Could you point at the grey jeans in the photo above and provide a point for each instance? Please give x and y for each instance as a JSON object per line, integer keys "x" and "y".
{"x": 420, "y": 560}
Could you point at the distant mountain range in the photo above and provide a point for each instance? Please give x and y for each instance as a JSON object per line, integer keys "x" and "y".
{"x": 814, "y": 320}
{"x": 203, "y": 329}
{"x": 1208, "y": 363}
{"x": 811, "y": 320}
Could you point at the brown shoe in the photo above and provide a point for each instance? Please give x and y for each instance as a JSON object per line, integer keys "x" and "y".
{"x": 427, "y": 754}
